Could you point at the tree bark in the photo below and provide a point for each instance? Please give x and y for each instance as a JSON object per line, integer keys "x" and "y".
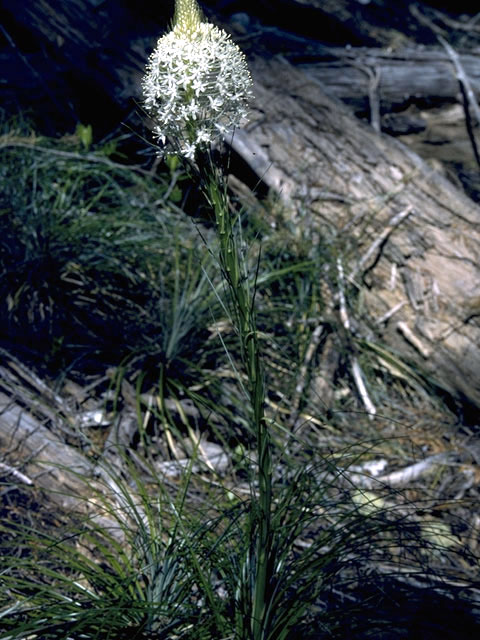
{"x": 417, "y": 236}
{"x": 398, "y": 77}
{"x": 44, "y": 460}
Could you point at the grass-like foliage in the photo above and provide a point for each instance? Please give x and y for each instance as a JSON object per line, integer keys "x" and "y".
{"x": 149, "y": 565}
{"x": 155, "y": 565}
{"x": 96, "y": 262}
{"x": 122, "y": 575}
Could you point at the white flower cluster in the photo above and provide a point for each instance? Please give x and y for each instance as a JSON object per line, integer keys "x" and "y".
{"x": 197, "y": 84}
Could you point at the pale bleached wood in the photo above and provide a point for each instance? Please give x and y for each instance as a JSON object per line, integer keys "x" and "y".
{"x": 404, "y": 74}
{"x": 71, "y": 481}
{"x": 340, "y": 178}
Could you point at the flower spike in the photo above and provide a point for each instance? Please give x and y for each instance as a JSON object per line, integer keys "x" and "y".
{"x": 197, "y": 85}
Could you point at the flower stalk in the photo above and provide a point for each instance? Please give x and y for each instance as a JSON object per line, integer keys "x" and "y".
{"x": 243, "y": 303}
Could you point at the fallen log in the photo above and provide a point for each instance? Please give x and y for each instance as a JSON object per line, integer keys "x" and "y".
{"x": 38, "y": 457}
{"x": 48, "y": 462}
{"x": 399, "y": 77}
{"x": 421, "y": 277}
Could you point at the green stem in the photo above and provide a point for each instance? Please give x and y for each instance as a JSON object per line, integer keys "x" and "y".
{"x": 231, "y": 264}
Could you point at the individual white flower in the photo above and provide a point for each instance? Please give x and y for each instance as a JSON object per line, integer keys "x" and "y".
{"x": 203, "y": 136}
{"x": 197, "y": 85}
{"x": 188, "y": 150}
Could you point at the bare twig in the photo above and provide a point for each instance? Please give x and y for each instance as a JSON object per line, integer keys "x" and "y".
{"x": 356, "y": 369}
{"x": 412, "y": 472}
{"x": 373, "y": 75}
{"x": 413, "y": 340}
{"x": 18, "y": 475}
{"x": 33, "y": 380}
{"x": 362, "y": 389}
{"x": 469, "y": 95}
{"x": 423, "y": 19}
{"x": 374, "y": 98}
{"x": 374, "y": 248}
{"x": 341, "y": 296}
{"x": 469, "y": 25}
{"x": 401, "y": 477}
{"x": 386, "y": 316}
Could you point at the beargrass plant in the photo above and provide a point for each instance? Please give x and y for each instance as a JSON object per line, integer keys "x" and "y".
{"x": 197, "y": 87}
{"x": 153, "y": 562}
{"x": 205, "y": 556}
{"x": 121, "y": 574}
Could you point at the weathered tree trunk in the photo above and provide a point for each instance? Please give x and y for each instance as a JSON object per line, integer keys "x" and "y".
{"x": 418, "y": 238}
{"x": 398, "y": 77}
{"x": 43, "y": 459}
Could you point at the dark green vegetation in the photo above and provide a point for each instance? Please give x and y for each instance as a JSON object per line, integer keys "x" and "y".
{"x": 106, "y": 283}
{"x": 97, "y": 262}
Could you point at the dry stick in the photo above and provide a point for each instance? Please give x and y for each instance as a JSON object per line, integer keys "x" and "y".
{"x": 362, "y": 389}
{"x": 423, "y": 19}
{"x": 414, "y": 340}
{"x": 356, "y": 369}
{"x": 302, "y": 374}
{"x": 18, "y": 475}
{"x": 373, "y": 94}
{"x": 374, "y": 99}
{"x": 341, "y": 296}
{"x": 469, "y": 95}
{"x": 401, "y": 477}
{"x": 386, "y": 316}
{"x": 393, "y": 223}
{"x": 34, "y": 381}
{"x": 456, "y": 24}
{"x": 406, "y": 475}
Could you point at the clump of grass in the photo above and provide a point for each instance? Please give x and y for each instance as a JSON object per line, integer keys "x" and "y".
{"x": 124, "y": 579}
{"x": 96, "y": 264}
{"x": 156, "y": 562}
